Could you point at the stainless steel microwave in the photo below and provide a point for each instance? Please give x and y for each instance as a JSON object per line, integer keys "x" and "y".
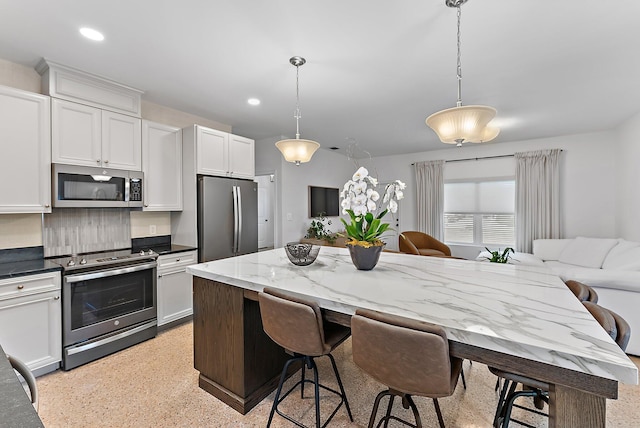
{"x": 90, "y": 187}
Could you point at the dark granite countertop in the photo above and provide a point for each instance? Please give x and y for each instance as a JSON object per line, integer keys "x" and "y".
{"x": 27, "y": 267}
{"x": 25, "y": 261}
{"x": 16, "y": 409}
{"x": 171, "y": 249}
{"x": 160, "y": 244}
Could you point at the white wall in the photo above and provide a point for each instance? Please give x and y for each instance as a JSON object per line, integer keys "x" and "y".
{"x": 326, "y": 169}
{"x": 627, "y": 176}
{"x": 588, "y": 165}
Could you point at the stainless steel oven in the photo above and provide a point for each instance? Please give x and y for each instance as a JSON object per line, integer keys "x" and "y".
{"x": 108, "y": 304}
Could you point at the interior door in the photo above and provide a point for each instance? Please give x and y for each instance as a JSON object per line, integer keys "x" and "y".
{"x": 265, "y": 211}
{"x": 392, "y": 233}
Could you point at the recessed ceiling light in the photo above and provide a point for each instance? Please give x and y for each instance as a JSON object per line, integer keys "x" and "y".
{"x": 253, "y": 101}
{"x": 92, "y": 34}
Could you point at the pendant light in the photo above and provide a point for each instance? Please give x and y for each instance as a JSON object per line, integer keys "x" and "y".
{"x": 463, "y": 124}
{"x": 296, "y": 149}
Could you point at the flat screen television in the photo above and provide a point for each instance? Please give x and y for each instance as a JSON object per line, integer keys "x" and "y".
{"x": 323, "y": 201}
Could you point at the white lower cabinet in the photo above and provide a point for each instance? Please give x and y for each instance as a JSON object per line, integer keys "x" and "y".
{"x": 31, "y": 319}
{"x": 175, "y": 295}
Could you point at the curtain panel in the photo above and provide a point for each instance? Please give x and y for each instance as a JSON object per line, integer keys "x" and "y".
{"x": 430, "y": 197}
{"x": 537, "y": 197}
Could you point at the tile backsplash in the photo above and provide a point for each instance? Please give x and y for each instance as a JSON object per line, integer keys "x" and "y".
{"x": 81, "y": 230}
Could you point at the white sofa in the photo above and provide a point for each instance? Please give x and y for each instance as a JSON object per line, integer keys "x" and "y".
{"x": 610, "y": 266}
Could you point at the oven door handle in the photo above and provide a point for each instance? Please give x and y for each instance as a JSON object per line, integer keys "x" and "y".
{"x": 110, "y": 272}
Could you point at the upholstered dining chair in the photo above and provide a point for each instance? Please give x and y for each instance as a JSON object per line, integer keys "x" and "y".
{"x": 419, "y": 243}
{"x": 583, "y": 292}
{"x": 410, "y": 357}
{"x": 616, "y": 326}
{"x": 296, "y": 324}
{"x": 24, "y": 371}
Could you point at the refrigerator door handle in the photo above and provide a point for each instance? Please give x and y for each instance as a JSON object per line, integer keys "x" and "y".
{"x": 239, "y": 215}
{"x": 235, "y": 220}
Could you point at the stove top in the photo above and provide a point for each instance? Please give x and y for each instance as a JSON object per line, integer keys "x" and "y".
{"x": 104, "y": 259}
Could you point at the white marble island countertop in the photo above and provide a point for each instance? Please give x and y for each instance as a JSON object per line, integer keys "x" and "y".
{"x": 517, "y": 310}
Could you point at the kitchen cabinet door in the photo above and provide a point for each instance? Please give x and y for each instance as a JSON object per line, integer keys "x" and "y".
{"x": 212, "y": 151}
{"x": 241, "y": 157}
{"x": 121, "y": 141}
{"x": 25, "y": 142}
{"x": 162, "y": 167}
{"x": 89, "y": 136}
{"x": 76, "y": 134}
{"x": 31, "y": 321}
{"x": 175, "y": 295}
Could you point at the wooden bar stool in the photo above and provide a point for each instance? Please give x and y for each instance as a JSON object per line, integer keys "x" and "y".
{"x": 296, "y": 324}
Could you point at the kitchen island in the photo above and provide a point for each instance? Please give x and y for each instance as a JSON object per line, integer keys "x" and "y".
{"x": 516, "y": 318}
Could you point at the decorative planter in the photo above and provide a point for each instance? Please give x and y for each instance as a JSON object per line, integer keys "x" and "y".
{"x": 365, "y": 258}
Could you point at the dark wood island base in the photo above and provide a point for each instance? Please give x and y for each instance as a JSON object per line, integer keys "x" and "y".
{"x": 238, "y": 363}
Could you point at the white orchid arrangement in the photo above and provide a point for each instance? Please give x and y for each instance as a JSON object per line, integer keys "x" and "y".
{"x": 360, "y": 201}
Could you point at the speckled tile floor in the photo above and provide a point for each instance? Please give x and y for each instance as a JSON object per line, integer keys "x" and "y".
{"x": 154, "y": 384}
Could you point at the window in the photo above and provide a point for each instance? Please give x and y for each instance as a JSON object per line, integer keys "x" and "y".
{"x": 480, "y": 212}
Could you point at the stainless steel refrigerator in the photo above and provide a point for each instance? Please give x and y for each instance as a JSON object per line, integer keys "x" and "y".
{"x": 227, "y": 217}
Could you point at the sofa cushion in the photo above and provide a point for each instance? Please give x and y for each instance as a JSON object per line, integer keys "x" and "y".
{"x": 549, "y": 249}
{"x": 599, "y": 278}
{"x": 587, "y": 252}
{"x": 624, "y": 256}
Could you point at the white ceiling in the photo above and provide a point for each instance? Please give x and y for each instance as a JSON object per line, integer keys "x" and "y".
{"x": 375, "y": 69}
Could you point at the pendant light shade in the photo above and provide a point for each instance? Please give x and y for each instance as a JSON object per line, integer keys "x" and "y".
{"x": 463, "y": 124}
{"x": 297, "y": 150}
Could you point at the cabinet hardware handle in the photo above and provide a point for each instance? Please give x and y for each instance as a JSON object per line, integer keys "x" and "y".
{"x": 56, "y": 298}
{"x": 98, "y": 161}
{"x": 106, "y": 161}
{"x": 177, "y": 260}
{"x": 146, "y": 205}
{"x": 46, "y": 205}
{"x": 20, "y": 287}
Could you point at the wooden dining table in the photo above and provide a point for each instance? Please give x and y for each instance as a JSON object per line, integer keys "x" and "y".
{"x": 520, "y": 319}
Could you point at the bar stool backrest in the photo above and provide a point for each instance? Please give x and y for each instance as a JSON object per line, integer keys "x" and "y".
{"x": 406, "y": 355}
{"x": 293, "y": 322}
{"x": 616, "y": 326}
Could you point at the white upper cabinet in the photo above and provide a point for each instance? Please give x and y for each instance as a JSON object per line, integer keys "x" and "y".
{"x": 25, "y": 144}
{"x": 241, "y": 156}
{"x": 222, "y": 154}
{"x": 89, "y": 136}
{"x": 121, "y": 141}
{"x": 212, "y": 151}
{"x": 77, "y": 134}
{"x": 162, "y": 167}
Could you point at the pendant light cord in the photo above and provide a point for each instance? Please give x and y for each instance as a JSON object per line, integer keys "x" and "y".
{"x": 297, "y": 112}
{"x": 459, "y": 67}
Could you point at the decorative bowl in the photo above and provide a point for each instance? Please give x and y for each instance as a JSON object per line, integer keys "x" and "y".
{"x": 301, "y": 254}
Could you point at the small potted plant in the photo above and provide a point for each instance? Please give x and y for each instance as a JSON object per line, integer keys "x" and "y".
{"x": 318, "y": 230}
{"x": 360, "y": 200}
{"x": 498, "y": 257}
